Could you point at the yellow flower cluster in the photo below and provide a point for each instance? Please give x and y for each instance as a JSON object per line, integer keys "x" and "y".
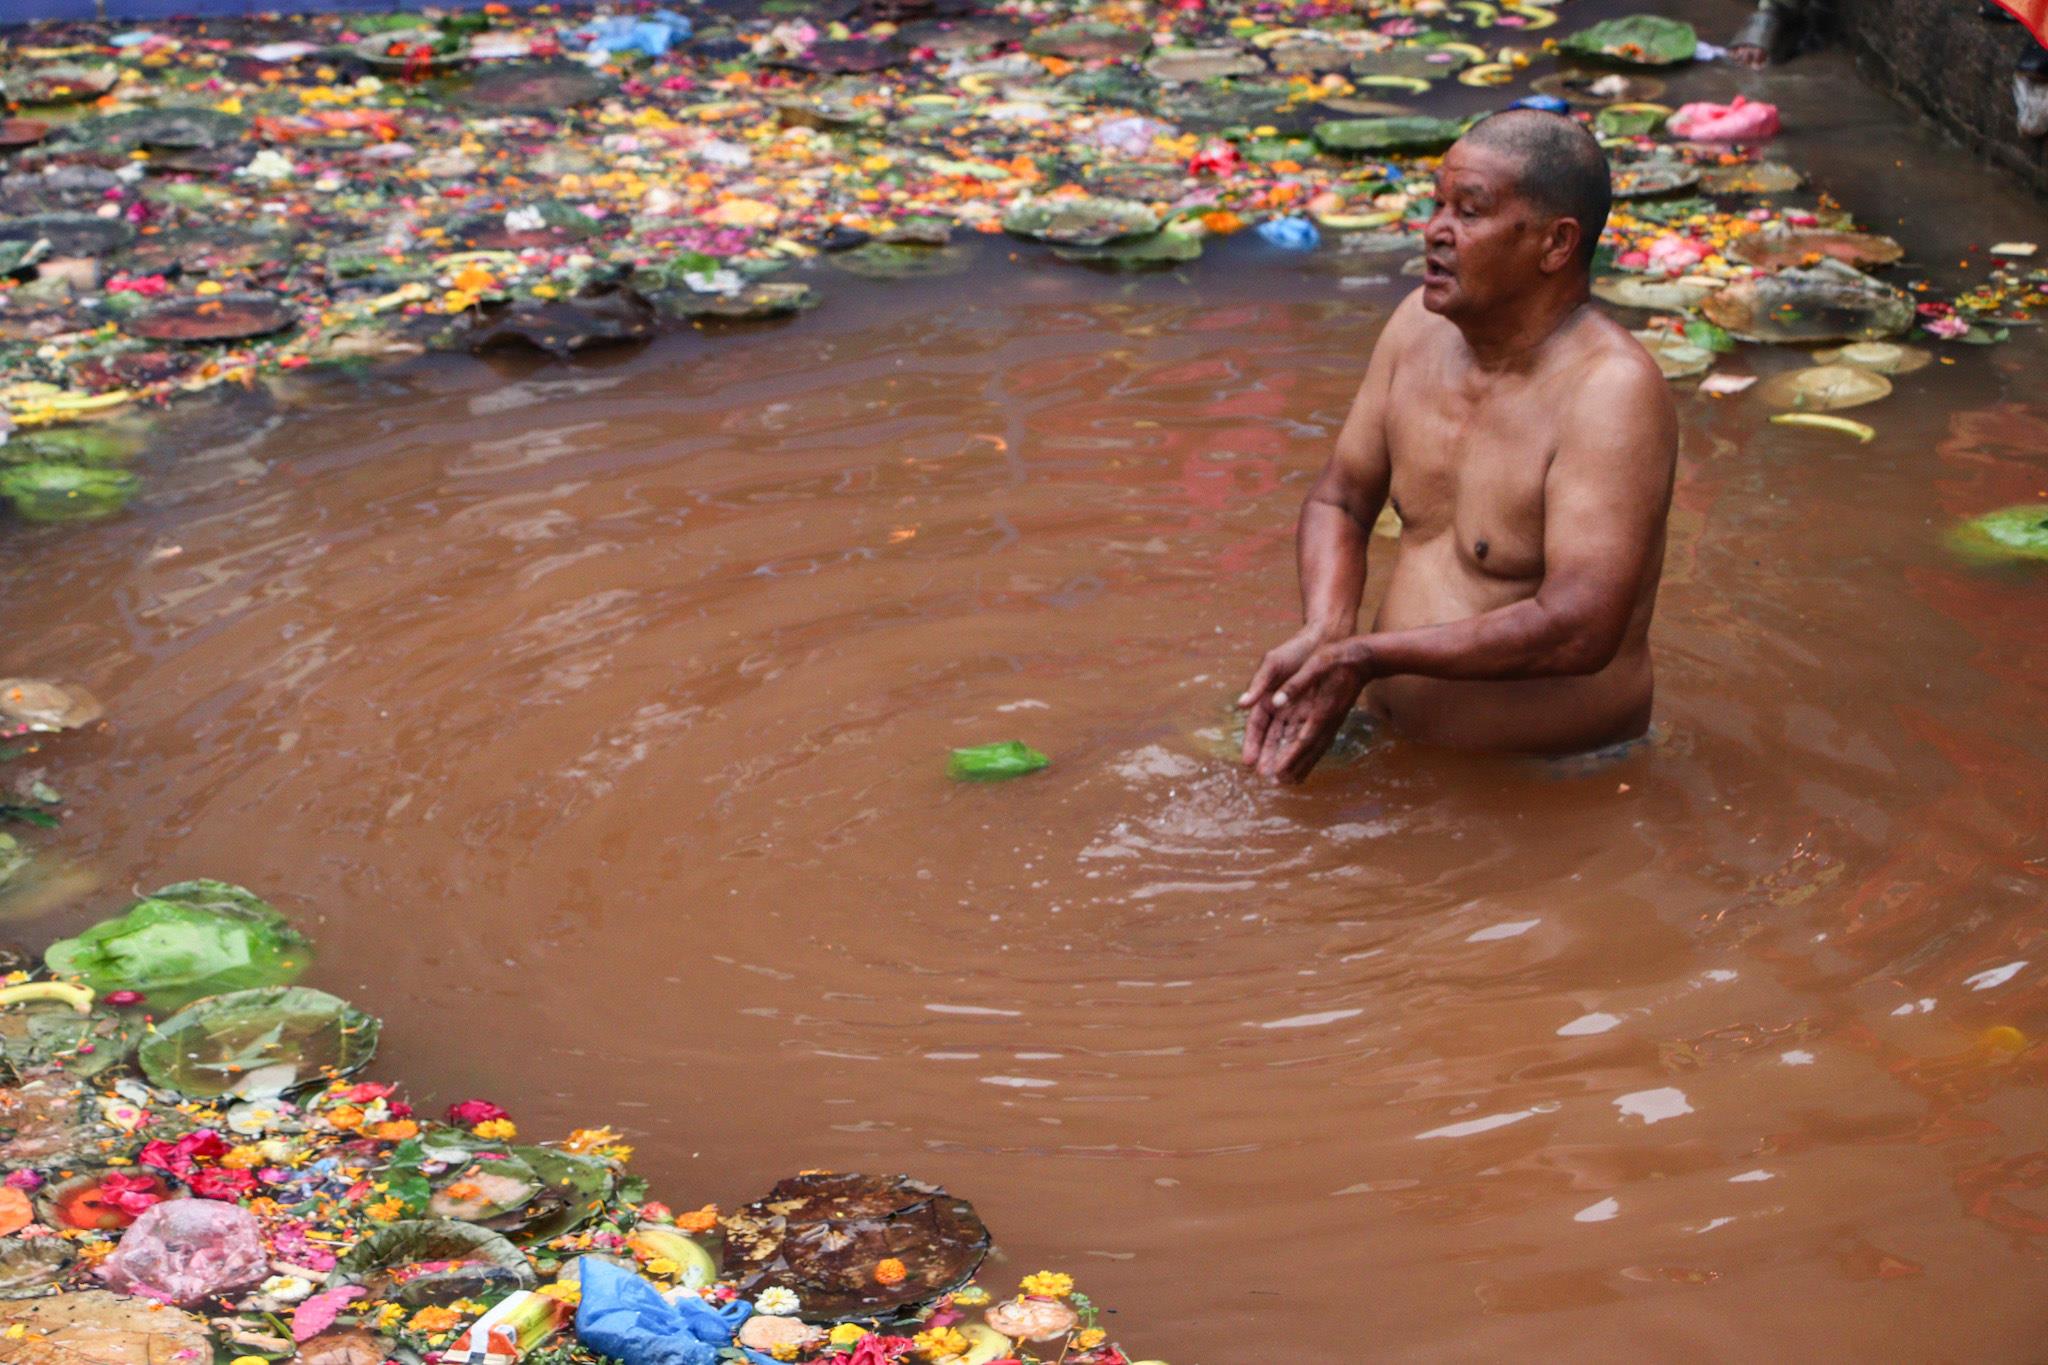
{"x": 940, "y": 1342}
{"x": 1048, "y": 1284}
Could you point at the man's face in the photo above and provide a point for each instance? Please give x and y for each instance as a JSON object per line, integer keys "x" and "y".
{"x": 1485, "y": 244}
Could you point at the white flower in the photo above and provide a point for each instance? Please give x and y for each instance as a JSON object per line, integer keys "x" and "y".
{"x": 286, "y": 1288}
{"x": 269, "y": 164}
{"x": 525, "y": 220}
{"x": 776, "y": 1302}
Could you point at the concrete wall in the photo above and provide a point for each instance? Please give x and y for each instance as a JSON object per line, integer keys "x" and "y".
{"x": 1953, "y": 66}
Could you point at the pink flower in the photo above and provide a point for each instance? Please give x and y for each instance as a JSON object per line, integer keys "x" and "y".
{"x": 1948, "y": 328}
{"x": 220, "y": 1183}
{"x": 469, "y": 1113}
{"x": 24, "y": 1179}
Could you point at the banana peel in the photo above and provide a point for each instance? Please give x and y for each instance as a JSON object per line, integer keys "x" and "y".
{"x": 1414, "y": 85}
{"x": 55, "y": 992}
{"x": 1818, "y": 421}
{"x": 1487, "y": 73}
{"x": 1355, "y": 222}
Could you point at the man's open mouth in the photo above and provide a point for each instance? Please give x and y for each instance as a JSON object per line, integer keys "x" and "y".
{"x": 1433, "y": 269}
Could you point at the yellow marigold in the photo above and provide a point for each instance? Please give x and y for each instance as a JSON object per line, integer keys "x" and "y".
{"x": 940, "y": 1341}
{"x": 246, "y": 1157}
{"x": 346, "y": 1117}
{"x": 387, "y": 1209}
{"x": 395, "y": 1130}
{"x": 661, "y": 1267}
{"x": 783, "y": 1350}
{"x": 434, "y": 1318}
{"x": 563, "y": 1290}
{"x": 1048, "y": 1284}
{"x": 587, "y": 1140}
{"x": 847, "y": 1333}
{"x": 497, "y": 1130}
{"x": 973, "y": 1296}
{"x": 1090, "y": 1339}
{"x": 390, "y": 1315}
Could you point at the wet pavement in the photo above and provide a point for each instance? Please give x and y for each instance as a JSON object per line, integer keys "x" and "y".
{"x": 593, "y": 717}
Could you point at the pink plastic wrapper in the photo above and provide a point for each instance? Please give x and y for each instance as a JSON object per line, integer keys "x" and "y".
{"x": 1743, "y": 121}
{"x": 185, "y": 1250}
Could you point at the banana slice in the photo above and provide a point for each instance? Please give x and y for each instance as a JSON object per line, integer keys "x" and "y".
{"x": 1471, "y": 52}
{"x": 1414, "y": 85}
{"x": 1862, "y": 431}
{"x": 1487, "y": 73}
{"x": 61, "y": 992}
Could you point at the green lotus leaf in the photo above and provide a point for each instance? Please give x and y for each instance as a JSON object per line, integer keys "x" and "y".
{"x": 188, "y": 940}
{"x": 420, "y": 1261}
{"x": 66, "y": 492}
{"x": 262, "y": 1041}
{"x": 1160, "y": 251}
{"x": 2010, "y": 533}
{"x": 1416, "y": 133}
{"x": 1086, "y": 220}
{"x": 1636, "y": 40}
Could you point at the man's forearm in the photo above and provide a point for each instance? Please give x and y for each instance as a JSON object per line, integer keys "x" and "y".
{"x": 1524, "y": 640}
{"x": 1330, "y": 549}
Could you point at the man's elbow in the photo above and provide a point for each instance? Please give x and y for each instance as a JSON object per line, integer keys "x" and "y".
{"x": 1584, "y": 642}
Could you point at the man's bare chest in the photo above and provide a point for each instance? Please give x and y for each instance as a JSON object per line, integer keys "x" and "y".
{"x": 1472, "y": 466}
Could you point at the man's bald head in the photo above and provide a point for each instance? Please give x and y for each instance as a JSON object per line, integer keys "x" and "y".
{"x": 1561, "y": 169}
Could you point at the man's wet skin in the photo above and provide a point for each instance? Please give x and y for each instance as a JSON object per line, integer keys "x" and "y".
{"x": 1528, "y": 445}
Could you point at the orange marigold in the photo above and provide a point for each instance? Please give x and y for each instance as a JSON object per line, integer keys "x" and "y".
{"x": 891, "y": 1271}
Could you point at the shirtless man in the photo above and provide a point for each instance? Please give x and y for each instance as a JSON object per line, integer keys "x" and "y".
{"x": 1528, "y": 443}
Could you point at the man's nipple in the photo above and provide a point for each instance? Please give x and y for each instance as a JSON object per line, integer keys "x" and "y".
{"x": 1479, "y": 548}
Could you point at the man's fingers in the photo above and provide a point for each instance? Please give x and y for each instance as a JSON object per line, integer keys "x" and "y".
{"x": 1261, "y": 680}
{"x": 1308, "y": 675}
{"x": 1255, "y": 724}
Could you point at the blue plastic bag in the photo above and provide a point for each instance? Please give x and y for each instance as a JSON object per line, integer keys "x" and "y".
{"x": 624, "y": 1317}
{"x": 1291, "y": 234}
{"x": 1549, "y": 104}
{"x": 652, "y": 34}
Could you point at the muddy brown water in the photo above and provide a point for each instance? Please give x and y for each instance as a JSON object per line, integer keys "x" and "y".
{"x": 593, "y": 718}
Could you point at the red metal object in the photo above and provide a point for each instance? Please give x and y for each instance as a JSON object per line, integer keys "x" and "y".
{"x": 2032, "y": 13}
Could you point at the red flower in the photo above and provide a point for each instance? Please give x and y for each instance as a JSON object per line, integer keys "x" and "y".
{"x": 131, "y": 1194}
{"x": 876, "y": 1349}
{"x": 365, "y": 1092}
{"x": 180, "y": 1157}
{"x": 221, "y": 1183}
{"x": 469, "y": 1113}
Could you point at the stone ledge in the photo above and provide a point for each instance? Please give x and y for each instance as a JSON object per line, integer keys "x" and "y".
{"x": 1954, "y": 66}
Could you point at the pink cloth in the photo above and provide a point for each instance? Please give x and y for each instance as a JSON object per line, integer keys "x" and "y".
{"x": 1743, "y": 121}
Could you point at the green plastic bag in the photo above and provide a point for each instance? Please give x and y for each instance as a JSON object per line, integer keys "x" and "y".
{"x": 188, "y": 940}
{"x": 992, "y": 762}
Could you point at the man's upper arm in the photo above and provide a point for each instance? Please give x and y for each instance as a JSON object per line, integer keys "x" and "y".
{"x": 1359, "y": 470}
{"x": 1606, "y": 499}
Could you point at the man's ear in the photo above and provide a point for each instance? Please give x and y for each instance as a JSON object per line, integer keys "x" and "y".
{"x": 1561, "y": 244}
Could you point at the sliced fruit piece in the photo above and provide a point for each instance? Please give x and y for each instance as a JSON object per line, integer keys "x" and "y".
{"x": 1862, "y": 431}
{"x": 1487, "y": 73}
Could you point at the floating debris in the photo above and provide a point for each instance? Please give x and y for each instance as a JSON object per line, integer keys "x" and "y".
{"x": 232, "y": 1166}
{"x": 990, "y": 762}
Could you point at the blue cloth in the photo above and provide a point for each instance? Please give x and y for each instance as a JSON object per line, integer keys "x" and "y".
{"x": 622, "y": 1316}
{"x": 1291, "y": 234}
{"x": 1549, "y": 104}
{"x": 652, "y": 34}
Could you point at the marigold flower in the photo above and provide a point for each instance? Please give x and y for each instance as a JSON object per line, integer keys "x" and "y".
{"x": 891, "y": 1271}
{"x": 703, "y": 1220}
{"x": 847, "y": 1333}
{"x": 1048, "y": 1284}
{"x": 434, "y": 1318}
{"x": 1091, "y": 1338}
{"x": 940, "y": 1342}
{"x": 497, "y": 1130}
{"x": 973, "y": 1296}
